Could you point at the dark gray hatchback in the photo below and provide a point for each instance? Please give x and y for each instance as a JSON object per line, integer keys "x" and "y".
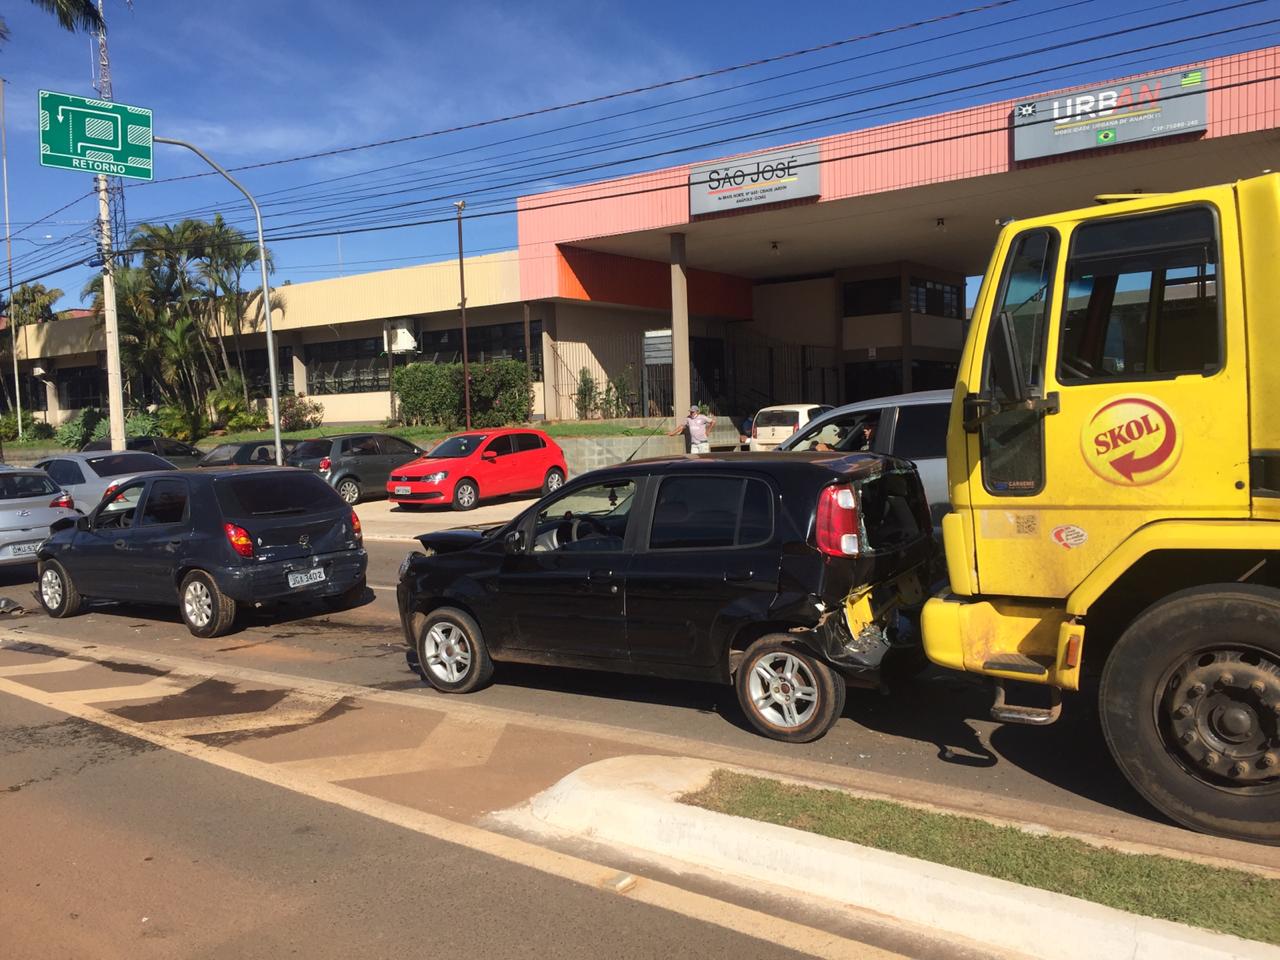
{"x": 354, "y": 464}
{"x": 210, "y": 541}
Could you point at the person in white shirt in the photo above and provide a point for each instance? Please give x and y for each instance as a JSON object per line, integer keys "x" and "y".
{"x": 699, "y": 426}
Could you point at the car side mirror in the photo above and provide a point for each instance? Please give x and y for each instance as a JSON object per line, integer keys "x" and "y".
{"x": 513, "y": 542}
{"x": 82, "y": 523}
{"x": 489, "y": 455}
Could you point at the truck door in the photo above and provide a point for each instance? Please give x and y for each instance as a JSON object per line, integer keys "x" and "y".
{"x": 1112, "y": 391}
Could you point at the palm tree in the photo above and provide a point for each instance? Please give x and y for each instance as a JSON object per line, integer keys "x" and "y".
{"x": 73, "y": 15}
{"x": 33, "y": 303}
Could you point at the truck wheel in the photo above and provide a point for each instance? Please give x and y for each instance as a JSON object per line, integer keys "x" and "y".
{"x": 1190, "y": 707}
{"x": 787, "y": 693}
{"x": 452, "y": 656}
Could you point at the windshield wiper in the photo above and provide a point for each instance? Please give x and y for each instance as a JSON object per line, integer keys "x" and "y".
{"x": 279, "y": 513}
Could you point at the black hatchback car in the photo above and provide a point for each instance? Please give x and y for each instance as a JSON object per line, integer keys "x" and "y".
{"x": 209, "y": 541}
{"x": 783, "y": 574}
{"x": 175, "y": 451}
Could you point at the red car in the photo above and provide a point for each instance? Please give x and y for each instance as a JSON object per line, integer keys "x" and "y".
{"x": 483, "y": 463}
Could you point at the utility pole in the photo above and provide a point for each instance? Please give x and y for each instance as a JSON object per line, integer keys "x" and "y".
{"x": 115, "y": 186}
{"x": 462, "y": 290}
{"x": 8, "y": 244}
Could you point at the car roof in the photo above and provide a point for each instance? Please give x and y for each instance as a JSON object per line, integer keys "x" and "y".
{"x": 769, "y": 461}
{"x": 10, "y": 468}
{"x": 897, "y": 400}
{"x": 98, "y": 454}
{"x": 791, "y": 406}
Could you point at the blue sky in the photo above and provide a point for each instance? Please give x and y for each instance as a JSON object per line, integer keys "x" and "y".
{"x": 261, "y": 81}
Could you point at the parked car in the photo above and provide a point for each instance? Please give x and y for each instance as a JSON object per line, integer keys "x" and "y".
{"x": 772, "y": 425}
{"x": 88, "y": 476}
{"x": 468, "y": 467}
{"x": 175, "y": 451}
{"x": 30, "y": 503}
{"x": 912, "y": 426}
{"x": 731, "y": 568}
{"x": 209, "y": 541}
{"x": 354, "y": 464}
{"x": 246, "y": 453}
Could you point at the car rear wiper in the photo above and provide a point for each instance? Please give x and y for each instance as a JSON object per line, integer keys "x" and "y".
{"x": 281, "y": 512}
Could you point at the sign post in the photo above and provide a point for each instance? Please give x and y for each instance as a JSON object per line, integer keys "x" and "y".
{"x": 107, "y": 139}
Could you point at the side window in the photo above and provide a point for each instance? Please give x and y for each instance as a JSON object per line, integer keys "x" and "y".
{"x": 64, "y": 473}
{"x": 501, "y": 445}
{"x": 528, "y": 441}
{"x": 850, "y": 433}
{"x": 361, "y": 446}
{"x": 166, "y": 503}
{"x": 921, "y": 433}
{"x": 1142, "y": 299}
{"x": 395, "y": 447}
{"x": 591, "y": 519}
{"x": 118, "y": 511}
{"x": 1012, "y": 441}
{"x": 710, "y": 512}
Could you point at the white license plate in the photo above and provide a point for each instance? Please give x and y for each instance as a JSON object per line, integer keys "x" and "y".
{"x": 403, "y": 491}
{"x": 23, "y": 549}
{"x": 306, "y": 577}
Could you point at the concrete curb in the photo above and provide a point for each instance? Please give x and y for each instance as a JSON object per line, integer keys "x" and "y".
{"x": 631, "y": 802}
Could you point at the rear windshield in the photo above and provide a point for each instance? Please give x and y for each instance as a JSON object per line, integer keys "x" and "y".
{"x": 777, "y": 418}
{"x": 118, "y": 464}
{"x": 460, "y": 446}
{"x": 18, "y": 486}
{"x": 309, "y": 449}
{"x": 274, "y": 494}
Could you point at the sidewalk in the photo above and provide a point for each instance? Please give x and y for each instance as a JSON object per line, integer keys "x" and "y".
{"x": 382, "y": 520}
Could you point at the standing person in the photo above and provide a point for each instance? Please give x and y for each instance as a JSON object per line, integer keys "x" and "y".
{"x": 699, "y": 426}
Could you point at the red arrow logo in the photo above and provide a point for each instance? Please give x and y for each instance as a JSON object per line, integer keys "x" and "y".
{"x": 1129, "y": 464}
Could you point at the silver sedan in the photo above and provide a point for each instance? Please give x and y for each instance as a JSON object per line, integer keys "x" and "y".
{"x": 86, "y": 476}
{"x": 29, "y": 503}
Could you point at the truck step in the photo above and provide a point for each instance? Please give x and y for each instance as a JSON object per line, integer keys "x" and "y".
{"x": 1032, "y": 716}
{"x": 1017, "y": 663}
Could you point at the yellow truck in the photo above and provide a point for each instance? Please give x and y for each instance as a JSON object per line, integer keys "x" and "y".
{"x": 1114, "y": 469}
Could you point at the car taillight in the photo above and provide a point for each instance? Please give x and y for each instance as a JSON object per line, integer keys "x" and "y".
{"x": 325, "y": 464}
{"x": 836, "y": 529}
{"x": 795, "y": 427}
{"x": 111, "y": 489}
{"x": 239, "y": 539}
{"x": 64, "y": 501}
{"x": 355, "y": 525}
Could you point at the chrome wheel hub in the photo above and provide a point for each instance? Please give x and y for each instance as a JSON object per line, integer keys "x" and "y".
{"x": 783, "y": 690}
{"x": 197, "y": 604}
{"x": 51, "y": 589}
{"x": 466, "y": 496}
{"x": 446, "y": 652}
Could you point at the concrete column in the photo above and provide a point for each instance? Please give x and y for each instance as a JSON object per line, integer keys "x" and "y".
{"x": 681, "y": 375}
{"x": 299, "y": 368}
{"x": 904, "y": 277}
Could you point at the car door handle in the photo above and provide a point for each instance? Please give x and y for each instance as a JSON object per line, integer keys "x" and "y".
{"x": 739, "y": 577}
{"x": 121, "y": 545}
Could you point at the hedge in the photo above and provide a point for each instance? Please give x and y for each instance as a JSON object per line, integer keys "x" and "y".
{"x": 431, "y": 393}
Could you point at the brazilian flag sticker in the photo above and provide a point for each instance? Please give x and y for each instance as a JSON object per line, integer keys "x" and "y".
{"x": 1107, "y": 136}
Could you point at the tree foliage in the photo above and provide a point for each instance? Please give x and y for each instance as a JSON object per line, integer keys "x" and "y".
{"x": 431, "y": 393}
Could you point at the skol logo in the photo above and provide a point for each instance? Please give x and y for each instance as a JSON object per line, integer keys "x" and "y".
{"x": 1132, "y": 441}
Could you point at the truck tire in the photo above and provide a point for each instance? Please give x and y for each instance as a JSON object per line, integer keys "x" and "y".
{"x": 786, "y": 692}
{"x": 1190, "y": 705}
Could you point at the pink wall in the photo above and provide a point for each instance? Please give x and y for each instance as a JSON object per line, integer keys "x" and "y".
{"x": 1244, "y": 97}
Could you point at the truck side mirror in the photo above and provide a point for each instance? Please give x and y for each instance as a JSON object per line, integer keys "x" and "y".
{"x": 1004, "y": 361}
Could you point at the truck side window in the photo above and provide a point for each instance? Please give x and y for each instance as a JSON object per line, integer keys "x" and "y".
{"x": 1012, "y": 441}
{"x": 1142, "y": 299}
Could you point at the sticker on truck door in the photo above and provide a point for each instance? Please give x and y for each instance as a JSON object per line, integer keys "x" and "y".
{"x": 1131, "y": 441}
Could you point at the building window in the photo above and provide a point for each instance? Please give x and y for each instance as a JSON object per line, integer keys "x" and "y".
{"x": 936, "y": 299}
{"x": 499, "y": 341}
{"x": 80, "y": 388}
{"x": 348, "y": 366}
{"x": 257, "y": 372}
{"x": 864, "y": 298}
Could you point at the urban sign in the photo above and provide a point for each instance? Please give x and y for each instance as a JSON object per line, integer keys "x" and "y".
{"x": 95, "y": 136}
{"x": 1162, "y": 105}
{"x": 770, "y": 177}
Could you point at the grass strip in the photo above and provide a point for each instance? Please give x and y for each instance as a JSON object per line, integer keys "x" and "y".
{"x": 1230, "y": 901}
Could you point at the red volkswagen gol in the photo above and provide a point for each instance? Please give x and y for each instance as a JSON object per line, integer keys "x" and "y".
{"x": 483, "y": 463}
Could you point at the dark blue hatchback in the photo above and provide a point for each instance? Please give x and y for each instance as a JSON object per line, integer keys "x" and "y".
{"x": 210, "y": 541}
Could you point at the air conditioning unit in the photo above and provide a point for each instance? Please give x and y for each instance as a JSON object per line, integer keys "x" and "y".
{"x": 401, "y": 337}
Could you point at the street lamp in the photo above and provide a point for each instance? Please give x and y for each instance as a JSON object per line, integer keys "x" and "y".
{"x": 462, "y": 302}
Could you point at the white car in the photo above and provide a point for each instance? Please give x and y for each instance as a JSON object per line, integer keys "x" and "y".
{"x": 29, "y": 503}
{"x": 772, "y": 425}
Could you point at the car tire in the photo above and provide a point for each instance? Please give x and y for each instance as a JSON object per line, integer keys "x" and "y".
{"x": 349, "y": 490}
{"x": 205, "y": 609}
{"x": 452, "y": 656}
{"x": 348, "y": 598}
{"x": 553, "y": 482}
{"x": 1189, "y": 699}
{"x": 786, "y": 692}
{"x": 58, "y": 594}
{"x": 465, "y": 494}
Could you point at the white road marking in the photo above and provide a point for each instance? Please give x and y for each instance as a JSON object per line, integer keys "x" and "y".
{"x": 54, "y": 665}
{"x": 295, "y": 709}
{"x": 157, "y": 687}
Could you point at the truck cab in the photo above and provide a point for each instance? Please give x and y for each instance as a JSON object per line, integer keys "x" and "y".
{"x": 1114, "y": 471}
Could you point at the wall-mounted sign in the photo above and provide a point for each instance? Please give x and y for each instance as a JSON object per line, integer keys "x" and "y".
{"x": 657, "y": 347}
{"x": 1163, "y": 105}
{"x": 750, "y": 181}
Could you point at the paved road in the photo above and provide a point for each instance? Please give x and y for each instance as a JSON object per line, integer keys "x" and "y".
{"x": 928, "y": 740}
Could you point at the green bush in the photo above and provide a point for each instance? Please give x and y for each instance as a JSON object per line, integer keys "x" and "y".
{"x": 181, "y": 423}
{"x": 300, "y": 413}
{"x": 77, "y": 431}
{"x": 227, "y": 401}
{"x": 39, "y": 430}
{"x": 32, "y": 429}
{"x": 246, "y": 420}
{"x": 141, "y": 424}
{"x": 586, "y": 399}
{"x": 431, "y": 393}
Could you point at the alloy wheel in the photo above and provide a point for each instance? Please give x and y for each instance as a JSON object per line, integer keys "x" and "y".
{"x": 783, "y": 690}
{"x": 349, "y": 491}
{"x": 51, "y": 589}
{"x": 554, "y": 481}
{"x": 466, "y": 495}
{"x": 447, "y": 652}
{"x": 197, "y": 603}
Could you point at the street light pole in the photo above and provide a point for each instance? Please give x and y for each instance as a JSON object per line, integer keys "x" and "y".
{"x": 266, "y": 288}
{"x": 8, "y": 244}
{"x": 462, "y": 290}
